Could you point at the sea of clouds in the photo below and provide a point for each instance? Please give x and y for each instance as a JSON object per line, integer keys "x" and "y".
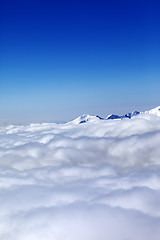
{"x": 98, "y": 180}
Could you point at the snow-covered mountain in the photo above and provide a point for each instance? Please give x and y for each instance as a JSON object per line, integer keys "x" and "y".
{"x": 88, "y": 118}
{"x": 154, "y": 111}
{"x": 127, "y": 115}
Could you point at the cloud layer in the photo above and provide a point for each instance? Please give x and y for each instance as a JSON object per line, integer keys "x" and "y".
{"x": 91, "y": 181}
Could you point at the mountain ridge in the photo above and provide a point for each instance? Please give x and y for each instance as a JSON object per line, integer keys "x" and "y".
{"x": 94, "y": 118}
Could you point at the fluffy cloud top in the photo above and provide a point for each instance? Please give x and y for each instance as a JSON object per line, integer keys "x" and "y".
{"x": 93, "y": 181}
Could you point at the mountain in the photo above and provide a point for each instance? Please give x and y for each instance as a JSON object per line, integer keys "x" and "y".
{"x": 112, "y": 116}
{"x": 154, "y": 111}
{"x": 88, "y": 118}
{"x": 127, "y": 115}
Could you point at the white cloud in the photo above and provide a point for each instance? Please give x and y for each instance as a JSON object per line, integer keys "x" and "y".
{"x": 91, "y": 181}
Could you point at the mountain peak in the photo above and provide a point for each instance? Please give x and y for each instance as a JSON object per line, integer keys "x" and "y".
{"x": 127, "y": 115}
{"x": 154, "y": 111}
{"x": 88, "y": 118}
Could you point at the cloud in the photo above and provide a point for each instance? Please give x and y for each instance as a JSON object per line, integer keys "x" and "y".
{"x": 98, "y": 180}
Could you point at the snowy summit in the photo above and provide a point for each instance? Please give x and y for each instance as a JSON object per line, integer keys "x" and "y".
{"x": 88, "y": 118}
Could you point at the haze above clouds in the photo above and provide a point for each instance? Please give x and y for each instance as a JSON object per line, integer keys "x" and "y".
{"x": 90, "y": 181}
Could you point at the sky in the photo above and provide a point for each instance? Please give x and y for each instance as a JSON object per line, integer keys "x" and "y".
{"x": 61, "y": 59}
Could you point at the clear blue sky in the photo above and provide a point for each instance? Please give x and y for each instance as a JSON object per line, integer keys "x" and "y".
{"x": 60, "y": 59}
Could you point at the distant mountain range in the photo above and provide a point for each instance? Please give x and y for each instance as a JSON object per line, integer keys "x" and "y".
{"x": 88, "y": 118}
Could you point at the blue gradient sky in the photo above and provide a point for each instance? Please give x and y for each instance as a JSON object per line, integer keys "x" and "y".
{"x": 60, "y": 59}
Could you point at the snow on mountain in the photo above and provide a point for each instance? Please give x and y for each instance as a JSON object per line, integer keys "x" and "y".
{"x": 127, "y": 115}
{"x": 85, "y": 118}
{"x": 130, "y": 115}
{"x": 112, "y": 116}
{"x": 88, "y": 118}
{"x": 154, "y": 111}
